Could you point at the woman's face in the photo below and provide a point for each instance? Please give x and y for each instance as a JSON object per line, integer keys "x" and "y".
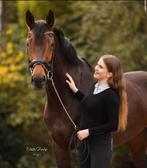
{"x": 101, "y": 72}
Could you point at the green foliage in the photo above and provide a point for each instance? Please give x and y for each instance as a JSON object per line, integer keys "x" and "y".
{"x": 111, "y": 27}
{"x": 20, "y": 105}
{"x": 43, "y": 8}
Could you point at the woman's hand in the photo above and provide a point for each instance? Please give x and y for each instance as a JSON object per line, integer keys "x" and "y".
{"x": 71, "y": 83}
{"x": 82, "y": 134}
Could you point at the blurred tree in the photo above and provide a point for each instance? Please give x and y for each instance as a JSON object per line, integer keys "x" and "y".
{"x": 21, "y": 107}
{"x": 110, "y": 27}
{"x": 43, "y": 8}
{"x": 9, "y": 13}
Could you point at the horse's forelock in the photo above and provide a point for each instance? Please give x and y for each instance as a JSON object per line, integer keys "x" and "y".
{"x": 39, "y": 29}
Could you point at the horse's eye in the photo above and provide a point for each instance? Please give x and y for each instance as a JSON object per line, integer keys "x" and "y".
{"x": 50, "y": 35}
{"x": 29, "y": 35}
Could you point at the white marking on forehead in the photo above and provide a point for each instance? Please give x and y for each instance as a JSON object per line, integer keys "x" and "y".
{"x": 49, "y": 32}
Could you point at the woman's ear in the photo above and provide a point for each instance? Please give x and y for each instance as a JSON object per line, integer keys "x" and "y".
{"x": 109, "y": 74}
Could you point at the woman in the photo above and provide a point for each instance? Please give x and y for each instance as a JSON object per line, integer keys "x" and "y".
{"x": 104, "y": 110}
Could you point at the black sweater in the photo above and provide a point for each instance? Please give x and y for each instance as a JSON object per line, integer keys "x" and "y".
{"x": 100, "y": 112}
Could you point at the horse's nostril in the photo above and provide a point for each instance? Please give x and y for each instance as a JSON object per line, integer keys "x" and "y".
{"x": 38, "y": 79}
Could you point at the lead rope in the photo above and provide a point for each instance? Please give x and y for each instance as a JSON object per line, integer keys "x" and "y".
{"x": 50, "y": 77}
{"x": 73, "y": 137}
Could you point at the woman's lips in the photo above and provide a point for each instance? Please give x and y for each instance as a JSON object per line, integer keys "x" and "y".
{"x": 96, "y": 72}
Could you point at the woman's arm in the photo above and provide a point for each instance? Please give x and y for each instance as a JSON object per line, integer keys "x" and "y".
{"x": 73, "y": 87}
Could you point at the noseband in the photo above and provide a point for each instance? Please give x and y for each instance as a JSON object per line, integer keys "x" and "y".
{"x": 47, "y": 66}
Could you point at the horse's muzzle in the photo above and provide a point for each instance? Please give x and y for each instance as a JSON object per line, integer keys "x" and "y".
{"x": 39, "y": 82}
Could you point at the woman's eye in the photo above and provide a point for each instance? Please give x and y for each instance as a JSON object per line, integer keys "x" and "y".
{"x": 100, "y": 66}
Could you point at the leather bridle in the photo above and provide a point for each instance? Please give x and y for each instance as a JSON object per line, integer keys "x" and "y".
{"x": 46, "y": 65}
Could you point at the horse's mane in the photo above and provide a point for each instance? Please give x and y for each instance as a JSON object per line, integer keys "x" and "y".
{"x": 67, "y": 48}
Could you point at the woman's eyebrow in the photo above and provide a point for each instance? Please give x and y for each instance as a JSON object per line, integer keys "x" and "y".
{"x": 100, "y": 65}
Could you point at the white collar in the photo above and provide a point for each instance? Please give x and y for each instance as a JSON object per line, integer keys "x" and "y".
{"x": 100, "y": 87}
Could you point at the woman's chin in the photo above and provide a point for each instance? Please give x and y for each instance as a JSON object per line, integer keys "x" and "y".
{"x": 96, "y": 77}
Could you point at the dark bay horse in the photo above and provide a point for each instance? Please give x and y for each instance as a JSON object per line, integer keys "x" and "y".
{"x": 50, "y": 56}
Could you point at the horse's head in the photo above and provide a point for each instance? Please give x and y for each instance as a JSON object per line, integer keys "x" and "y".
{"x": 40, "y": 45}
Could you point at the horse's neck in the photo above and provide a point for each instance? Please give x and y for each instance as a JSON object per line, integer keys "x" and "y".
{"x": 80, "y": 72}
{"x": 58, "y": 82}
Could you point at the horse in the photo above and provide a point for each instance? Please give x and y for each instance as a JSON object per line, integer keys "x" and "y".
{"x": 50, "y": 56}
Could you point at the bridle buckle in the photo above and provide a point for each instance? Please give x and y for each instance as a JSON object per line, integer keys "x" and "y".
{"x": 50, "y": 75}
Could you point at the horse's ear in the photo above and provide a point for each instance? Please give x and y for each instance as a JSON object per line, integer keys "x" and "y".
{"x": 50, "y": 18}
{"x": 30, "y": 19}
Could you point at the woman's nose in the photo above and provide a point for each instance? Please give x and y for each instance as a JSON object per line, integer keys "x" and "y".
{"x": 96, "y": 68}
